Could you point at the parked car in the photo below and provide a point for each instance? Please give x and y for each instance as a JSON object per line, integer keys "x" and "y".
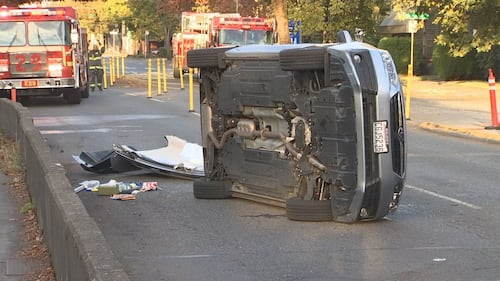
{"x": 317, "y": 129}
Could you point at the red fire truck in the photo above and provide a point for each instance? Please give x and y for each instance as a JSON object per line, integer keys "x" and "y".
{"x": 43, "y": 51}
{"x": 228, "y": 30}
{"x": 204, "y": 30}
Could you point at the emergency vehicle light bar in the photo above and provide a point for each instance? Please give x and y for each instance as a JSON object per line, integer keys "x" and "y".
{"x": 31, "y": 12}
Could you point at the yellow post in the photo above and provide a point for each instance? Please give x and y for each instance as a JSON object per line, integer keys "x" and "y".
{"x": 104, "y": 80}
{"x": 111, "y": 71}
{"x": 191, "y": 103}
{"x": 408, "y": 92}
{"x": 149, "y": 79}
{"x": 123, "y": 65}
{"x": 158, "y": 72}
{"x": 164, "y": 75}
{"x": 181, "y": 75}
{"x": 117, "y": 67}
{"x": 410, "y": 78}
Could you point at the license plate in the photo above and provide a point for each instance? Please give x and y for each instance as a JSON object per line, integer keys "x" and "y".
{"x": 380, "y": 139}
{"x": 30, "y": 83}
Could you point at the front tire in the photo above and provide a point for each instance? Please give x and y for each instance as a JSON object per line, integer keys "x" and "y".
{"x": 203, "y": 189}
{"x": 308, "y": 210}
{"x": 309, "y": 58}
{"x": 73, "y": 96}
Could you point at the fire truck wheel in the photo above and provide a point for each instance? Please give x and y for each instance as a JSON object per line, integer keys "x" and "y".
{"x": 203, "y": 189}
{"x": 177, "y": 75}
{"x": 308, "y": 210}
{"x": 85, "y": 92}
{"x": 310, "y": 58}
{"x": 198, "y": 58}
{"x": 73, "y": 97}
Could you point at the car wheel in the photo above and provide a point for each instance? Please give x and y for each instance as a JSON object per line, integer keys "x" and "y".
{"x": 308, "y": 210}
{"x": 309, "y": 58}
{"x": 203, "y": 189}
{"x": 199, "y": 58}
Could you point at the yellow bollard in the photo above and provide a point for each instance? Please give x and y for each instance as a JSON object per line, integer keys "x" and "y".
{"x": 123, "y": 65}
{"x": 164, "y": 75}
{"x": 117, "y": 67}
{"x": 111, "y": 71}
{"x": 158, "y": 72}
{"x": 191, "y": 102}
{"x": 408, "y": 92}
{"x": 104, "y": 80}
{"x": 149, "y": 79}
{"x": 181, "y": 74}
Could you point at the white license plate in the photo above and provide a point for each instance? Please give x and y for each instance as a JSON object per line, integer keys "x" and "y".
{"x": 380, "y": 137}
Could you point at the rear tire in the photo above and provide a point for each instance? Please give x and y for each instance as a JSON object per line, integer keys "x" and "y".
{"x": 210, "y": 57}
{"x": 176, "y": 73}
{"x": 203, "y": 189}
{"x": 309, "y": 58}
{"x": 308, "y": 210}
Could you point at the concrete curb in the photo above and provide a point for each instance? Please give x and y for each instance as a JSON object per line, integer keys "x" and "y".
{"x": 78, "y": 249}
{"x": 472, "y": 133}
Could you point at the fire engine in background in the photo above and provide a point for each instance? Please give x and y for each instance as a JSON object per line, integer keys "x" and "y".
{"x": 43, "y": 52}
{"x": 204, "y": 30}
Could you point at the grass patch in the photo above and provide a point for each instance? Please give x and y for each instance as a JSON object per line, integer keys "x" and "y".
{"x": 10, "y": 157}
{"x": 27, "y": 207}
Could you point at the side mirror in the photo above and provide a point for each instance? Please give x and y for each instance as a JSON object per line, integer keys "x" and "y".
{"x": 74, "y": 36}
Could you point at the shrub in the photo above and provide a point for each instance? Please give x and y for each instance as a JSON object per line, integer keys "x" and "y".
{"x": 454, "y": 68}
{"x": 400, "y": 49}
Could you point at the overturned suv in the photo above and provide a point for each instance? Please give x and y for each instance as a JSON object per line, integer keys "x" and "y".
{"x": 317, "y": 129}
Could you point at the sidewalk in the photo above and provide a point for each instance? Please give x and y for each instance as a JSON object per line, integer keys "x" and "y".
{"x": 12, "y": 268}
{"x": 456, "y": 108}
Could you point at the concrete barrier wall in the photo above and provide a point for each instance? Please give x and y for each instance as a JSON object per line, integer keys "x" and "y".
{"x": 77, "y": 246}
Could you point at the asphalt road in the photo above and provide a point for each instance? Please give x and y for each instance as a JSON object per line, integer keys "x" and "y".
{"x": 445, "y": 229}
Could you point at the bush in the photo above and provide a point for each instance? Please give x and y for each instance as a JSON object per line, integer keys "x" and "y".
{"x": 400, "y": 49}
{"x": 454, "y": 68}
{"x": 163, "y": 52}
{"x": 487, "y": 60}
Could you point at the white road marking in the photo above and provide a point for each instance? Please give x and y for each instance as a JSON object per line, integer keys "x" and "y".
{"x": 54, "y": 132}
{"x": 86, "y": 120}
{"x": 157, "y": 100}
{"x": 195, "y": 113}
{"x": 444, "y": 197}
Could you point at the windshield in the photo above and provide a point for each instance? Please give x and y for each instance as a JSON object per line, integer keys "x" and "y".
{"x": 12, "y": 34}
{"x": 244, "y": 37}
{"x": 42, "y": 33}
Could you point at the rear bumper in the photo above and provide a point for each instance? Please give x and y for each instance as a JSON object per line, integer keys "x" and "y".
{"x": 37, "y": 83}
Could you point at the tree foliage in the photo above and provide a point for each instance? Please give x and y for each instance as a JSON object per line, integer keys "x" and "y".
{"x": 466, "y": 25}
{"x": 330, "y": 16}
{"x": 99, "y": 16}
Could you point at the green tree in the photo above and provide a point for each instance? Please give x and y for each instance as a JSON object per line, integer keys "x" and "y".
{"x": 330, "y": 16}
{"x": 466, "y": 25}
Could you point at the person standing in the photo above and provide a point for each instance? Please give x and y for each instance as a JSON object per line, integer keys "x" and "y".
{"x": 95, "y": 68}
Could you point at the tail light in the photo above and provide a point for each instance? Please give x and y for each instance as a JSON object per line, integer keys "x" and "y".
{"x": 4, "y": 62}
